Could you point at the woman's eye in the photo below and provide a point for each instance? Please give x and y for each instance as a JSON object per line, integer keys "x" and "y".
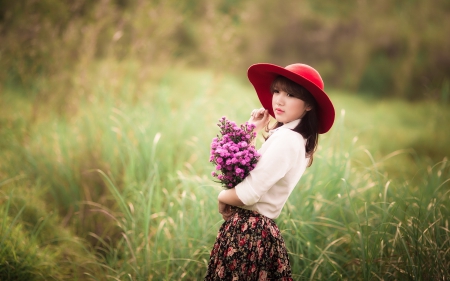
{"x": 289, "y": 95}
{"x": 276, "y": 91}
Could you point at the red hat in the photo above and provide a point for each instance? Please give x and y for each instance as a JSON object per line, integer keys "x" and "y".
{"x": 261, "y": 76}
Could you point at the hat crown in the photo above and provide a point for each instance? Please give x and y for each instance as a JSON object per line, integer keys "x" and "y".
{"x": 306, "y": 72}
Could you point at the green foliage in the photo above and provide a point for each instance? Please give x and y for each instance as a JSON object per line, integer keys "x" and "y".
{"x": 116, "y": 186}
{"x": 33, "y": 246}
{"x": 384, "y": 48}
{"x": 354, "y": 223}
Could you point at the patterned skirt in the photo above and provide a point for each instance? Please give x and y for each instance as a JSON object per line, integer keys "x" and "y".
{"x": 249, "y": 246}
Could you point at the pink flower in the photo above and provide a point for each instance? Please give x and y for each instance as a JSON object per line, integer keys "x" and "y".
{"x": 262, "y": 275}
{"x": 233, "y": 265}
{"x": 274, "y": 232}
{"x": 251, "y": 256}
{"x": 221, "y": 271}
{"x": 264, "y": 234}
{"x": 260, "y": 252}
{"x": 281, "y": 266}
{"x": 235, "y": 220}
{"x": 253, "y": 221}
{"x": 230, "y": 251}
{"x": 232, "y": 152}
{"x": 243, "y": 266}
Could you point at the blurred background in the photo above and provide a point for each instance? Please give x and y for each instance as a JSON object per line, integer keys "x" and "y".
{"x": 108, "y": 107}
{"x": 382, "y": 48}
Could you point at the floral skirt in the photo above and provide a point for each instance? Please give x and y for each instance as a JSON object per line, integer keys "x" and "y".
{"x": 249, "y": 246}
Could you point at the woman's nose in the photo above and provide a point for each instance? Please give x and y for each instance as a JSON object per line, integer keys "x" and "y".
{"x": 279, "y": 100}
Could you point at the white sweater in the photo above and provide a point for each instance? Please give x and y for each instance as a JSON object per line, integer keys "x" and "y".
{"x": 280, "y": 167}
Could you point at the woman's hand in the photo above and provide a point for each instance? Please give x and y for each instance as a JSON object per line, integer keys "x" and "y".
{"x": 225, "y": 210}
{"x": 260, "y": 118}
{"x": 228, "y": 198}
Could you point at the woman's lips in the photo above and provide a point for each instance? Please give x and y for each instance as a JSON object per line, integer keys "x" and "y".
{"x": 279, "y": 111}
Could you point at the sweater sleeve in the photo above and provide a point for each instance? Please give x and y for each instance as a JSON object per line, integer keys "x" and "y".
{"x": 276, "y": 160}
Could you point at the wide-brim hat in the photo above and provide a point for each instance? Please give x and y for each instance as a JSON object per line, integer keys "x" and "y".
{"x": 261, "y": 75}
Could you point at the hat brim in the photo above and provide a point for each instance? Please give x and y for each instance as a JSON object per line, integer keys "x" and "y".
{"x": 261, "y": 76}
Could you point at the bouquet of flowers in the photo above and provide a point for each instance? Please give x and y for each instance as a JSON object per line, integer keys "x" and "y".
{"x": 233, "y": 153}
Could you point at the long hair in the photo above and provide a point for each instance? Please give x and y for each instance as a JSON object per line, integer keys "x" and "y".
{"x": 309, "y": 125}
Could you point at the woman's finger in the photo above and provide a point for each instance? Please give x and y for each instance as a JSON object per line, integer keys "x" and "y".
{"x": 257, "y": 112}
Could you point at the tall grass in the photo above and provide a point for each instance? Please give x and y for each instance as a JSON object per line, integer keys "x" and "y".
{"x": 122, "y": 178}
{"x": 353, "y": 222}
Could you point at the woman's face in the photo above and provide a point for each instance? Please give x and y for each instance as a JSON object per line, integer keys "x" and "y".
{"x": 286, "y": 107}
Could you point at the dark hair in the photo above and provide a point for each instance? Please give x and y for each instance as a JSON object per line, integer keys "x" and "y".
{"x": 309, "y": 126}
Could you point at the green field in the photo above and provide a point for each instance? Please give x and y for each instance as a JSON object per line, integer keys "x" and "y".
{"x": 112, "y": 182}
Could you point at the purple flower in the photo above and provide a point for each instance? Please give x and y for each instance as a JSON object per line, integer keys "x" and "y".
{"x": 232, "y": 152}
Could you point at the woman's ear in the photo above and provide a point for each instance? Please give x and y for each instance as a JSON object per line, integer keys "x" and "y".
{"x": 308, "y": 108}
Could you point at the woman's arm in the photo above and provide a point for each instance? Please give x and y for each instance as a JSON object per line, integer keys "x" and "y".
{"x": 227, "y": 198}
{"x": 230, "y": 197}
